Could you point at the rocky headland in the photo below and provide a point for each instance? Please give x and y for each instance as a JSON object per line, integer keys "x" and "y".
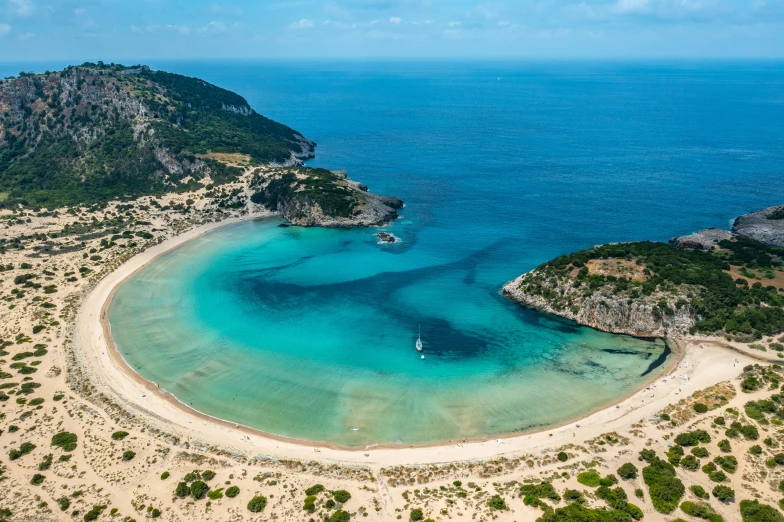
{"x": 712, "y": 282}
{"x": 765, "y": 225}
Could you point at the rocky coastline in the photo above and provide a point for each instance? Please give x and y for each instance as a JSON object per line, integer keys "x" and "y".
{"x": 664, "y": 312}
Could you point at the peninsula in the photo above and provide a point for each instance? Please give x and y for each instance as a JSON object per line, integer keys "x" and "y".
{"x": 96, "y": 132}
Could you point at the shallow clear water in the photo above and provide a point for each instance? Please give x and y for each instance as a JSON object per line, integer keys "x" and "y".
{"x": 310, "y": 333}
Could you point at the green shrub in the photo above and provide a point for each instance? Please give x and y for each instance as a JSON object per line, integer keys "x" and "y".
{"x": 119, "y": 435}
{"x": 725, "y": 446}
{"x": 65, "y": 441}
{"x": 314, "y": 490}
{"x": 628, "y": 471}
{"x": 724, "y": 493}
{"x": 341, "y": 496}
{"x": 700, "y": 510}
{"x": 699, "y": 492}
{"x": 208, "y": 475}
{"x": 199, "y": 489}
{"x": 700, "y": 407}
{"x": 717, "y": 476}
{"x": 64, "y": 503}
{"x": 232, "y": 491}
{"x": 497, "y": 502}
{"x": 756, "y": 450}
{"x": 310, "y": 504}
{"x": 340, "y": 516}
{"x": 257, "y": 504}
{"x": 728, "y": 463}
{"x": 572, "y": 495}
{"x": 753, "y": 511}
{"x": 37, "y": 479}
{"x": 24, "y": 449}
{"x": 700, "y": 452}
{"x": 215, "y": 494}
{"x": 164, "y": 475}
{"x": 542, "y": 490}
{"x": 664, "y": 488}
{"x": 589, "y": 478}
{"x": 94, "y": 513}
{"x": 182, "y": 490}
{"x": 128, "y": 455}
{"x": 690, "y": 463}
{"x": 562, "y": 456}
{"x": 693, "y": 438}
{"x": 416, "y": 515}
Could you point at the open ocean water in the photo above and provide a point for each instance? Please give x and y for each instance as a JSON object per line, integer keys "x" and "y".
{"x": 309, "y": 333}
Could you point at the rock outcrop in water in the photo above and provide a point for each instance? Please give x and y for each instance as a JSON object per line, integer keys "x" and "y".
{"x": 702, "y": 240}
{"x": 765, "y": 225}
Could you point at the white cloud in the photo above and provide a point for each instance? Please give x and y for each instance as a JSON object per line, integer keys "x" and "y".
{"x": 302, "y": 24}
{"x": 395, "y": 19}
{"x": 182, "y": 29}
{"x": 26, "y": 36}
{"x": 22, "y": 7}
{"x": 222, "y": 9}
{"x": 453, "y": 24}
{"x": 213, "y": 28}
{"x": 4, "y": 29}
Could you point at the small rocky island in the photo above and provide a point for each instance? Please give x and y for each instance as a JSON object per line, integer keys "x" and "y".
{"x": 712, "y": 282}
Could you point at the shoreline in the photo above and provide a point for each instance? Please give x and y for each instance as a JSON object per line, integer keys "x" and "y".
{"x": 123, "y": 382}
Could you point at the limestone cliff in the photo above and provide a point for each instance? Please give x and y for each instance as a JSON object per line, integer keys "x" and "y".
{"x": 641, "y": 317}
{"x": 766, "y": 225}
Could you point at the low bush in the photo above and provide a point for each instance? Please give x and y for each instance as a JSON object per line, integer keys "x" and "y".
{"x": 257, "y": 504}
{"x": 341, "y": 496}
{"x": 589, "y": 478}
{"x": 128, "y": 455}
{"x": 199, "y": 489}
{"x": 701, "y": 510}
{"x": 628, "y": 471}
{"x": 562, "y": 456}
{"x": 314, "y": 490}
{"x": 497, "y": 502}
{"x": 65, "y": 441}
{"x": 542, "y": 490}
{"x": 164, "y": 475}
{"x": 37, "y": 479}
{"x": 724, "y": 493}
{"x": 208, "y": 475}
{"x": 753, "y": 511}
{"x": 700, "y": 407}
{"x": 232, "y": 491}
{"x": 692, "y": 438}
{"x": 664, "y": 488}
{"x": 119, "y": 435}
{"x": 699, "y": 492}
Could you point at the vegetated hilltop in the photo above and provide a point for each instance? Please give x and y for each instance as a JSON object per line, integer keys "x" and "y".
{"x": 646, "y": 288}
{"x": 96, "y": 132}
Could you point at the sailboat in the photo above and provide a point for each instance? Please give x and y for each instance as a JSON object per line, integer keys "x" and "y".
{"x": 419, "y": 340}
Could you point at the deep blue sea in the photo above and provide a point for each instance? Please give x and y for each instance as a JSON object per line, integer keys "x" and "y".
{"x": 309, "y": 333}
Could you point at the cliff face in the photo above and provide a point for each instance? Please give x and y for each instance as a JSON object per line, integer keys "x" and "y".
{"x": 766, "y": 226}
{"x": 641, "y": 317}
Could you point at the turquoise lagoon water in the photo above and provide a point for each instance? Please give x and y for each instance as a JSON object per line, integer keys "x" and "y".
{"x": 309, "y": 333}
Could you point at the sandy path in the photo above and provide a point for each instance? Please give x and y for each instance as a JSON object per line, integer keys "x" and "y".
{"x": 700, "y": 366}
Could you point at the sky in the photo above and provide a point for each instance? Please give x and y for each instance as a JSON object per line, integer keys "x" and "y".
{"x": 117, "y": 30}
